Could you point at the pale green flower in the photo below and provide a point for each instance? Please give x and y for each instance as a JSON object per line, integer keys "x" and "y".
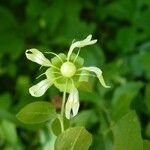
{"x": 65, "y": 72}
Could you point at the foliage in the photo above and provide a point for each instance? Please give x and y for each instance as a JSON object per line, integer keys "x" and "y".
{"x": 122, "y": 52}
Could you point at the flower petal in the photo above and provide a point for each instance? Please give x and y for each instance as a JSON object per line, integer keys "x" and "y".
{"x": 75, "y": 106}
{"x": 89, "y": 37}
{"x": 72, "y": 104}
{"x": 80, "y": 44}
{"x": 98, "y": 73}
{"x": 40, "y": 88}
{"x": 36, "y": 56}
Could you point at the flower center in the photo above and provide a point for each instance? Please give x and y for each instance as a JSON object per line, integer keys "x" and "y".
{"x": 68, "y": 69}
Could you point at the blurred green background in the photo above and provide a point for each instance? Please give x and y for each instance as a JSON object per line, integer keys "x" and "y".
{"x": 122, "y": 28}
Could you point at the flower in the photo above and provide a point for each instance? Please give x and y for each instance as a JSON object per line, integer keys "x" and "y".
{"x": 65, "y": 72}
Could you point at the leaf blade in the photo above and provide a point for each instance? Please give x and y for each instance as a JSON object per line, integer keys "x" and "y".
{"x": 76, "y": 138}
{"x": 127, "y": 133}
{"x": 36, "y": 112}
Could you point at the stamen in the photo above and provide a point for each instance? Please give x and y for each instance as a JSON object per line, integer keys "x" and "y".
{"x": 92, "y": 75}
{"x": 40, "y": 67}
{"x": 77, "y": 55}
{"x": 57, "y": 73}
{"x": 58, "y": 78}
{"x": 72, "y": 82}
{"x": 68, "y": 56}
{"x": 40, "y": 75}
{"x": 55, "y": 67}
{"x": 55, "y": 55}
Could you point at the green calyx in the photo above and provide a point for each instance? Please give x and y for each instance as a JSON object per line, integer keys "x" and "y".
{"x": 66, "y": 70}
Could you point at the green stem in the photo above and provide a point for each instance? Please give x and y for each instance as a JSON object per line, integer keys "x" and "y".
{"x": 63, "y": 108}
{"x": 61, "y": 122}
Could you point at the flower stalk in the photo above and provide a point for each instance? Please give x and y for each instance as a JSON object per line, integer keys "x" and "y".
{"x": 63, "y": 108}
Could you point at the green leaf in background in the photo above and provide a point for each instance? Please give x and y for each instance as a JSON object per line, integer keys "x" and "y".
{"x": 147, "y": 130}
{"x": 147, "y": 97}
{"x": 7, "y": 131}
{"x": 47, "y": 140}
{"x": 127, "y": 133}
{"x": 11, "y": 34}
{"x": 116, "y": 71}
{"x": 5, "y": 101}
{"x": 76, "y": 138}
{"x": 146, "y": 145}
{"x": 4, "y": 114}
{"x": 37, "y": 112}
{"x": 140, "y": 64}
{"x": 126, "y": 38}
{"x": 123, "y": 97}
{"x": 85, "y": 86}
{"x": 72, "y": 26}
{"x": 141, "y": 20}
{"x": 120, "y": 9}
{"x": 82, "y": 119}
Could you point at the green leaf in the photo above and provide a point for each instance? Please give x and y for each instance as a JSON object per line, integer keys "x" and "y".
{"x": 147, "y": 96}
{"x": 85, "y": 86}
{"x": 11, "y": 33}
{"x": 82, "y": 119}
{"x": 122, "y": 9}
{"x": 72, "y": 23}
{"x": 76, "y": 138}
{"x": 140, "y": 64}
{"x": 147, "y": 129}
{"x": 142, "y": 23}
{"x": 126, "y": 39}
{"x": 7, "y": 131}
{"x": 122, "y": 98}
{"x": 5, "y": 101}
{"x": 56, "y": 126}
{"x": 146, "y": 145}
{"x": 4, "y": 114}
{"x": 36, "y": 112}
{"x": 127, "y": 133}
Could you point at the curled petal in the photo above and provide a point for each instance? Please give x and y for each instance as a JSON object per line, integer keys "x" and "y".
{"x": 88, "y": 38}
{"x": 98, "y": 73}
{"x": 36, "y": 56}
{"x": 40, "y": 88}
{"x": 80, "y": 44}
{"x": 72, "y": 104}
